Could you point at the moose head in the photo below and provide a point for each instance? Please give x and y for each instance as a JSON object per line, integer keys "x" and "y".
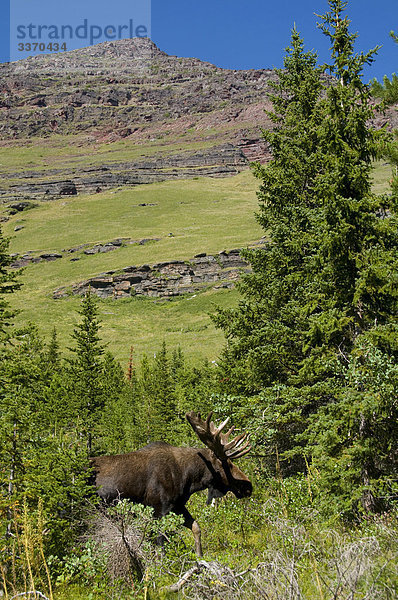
{"x": 227, "y": 476}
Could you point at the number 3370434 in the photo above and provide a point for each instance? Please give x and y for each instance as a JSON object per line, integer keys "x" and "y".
{"x": 41, "y": 47}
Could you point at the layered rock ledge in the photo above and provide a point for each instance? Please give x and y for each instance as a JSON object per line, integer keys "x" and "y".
{"x": 224, "y": 160}
{"x": 165, "y": 279}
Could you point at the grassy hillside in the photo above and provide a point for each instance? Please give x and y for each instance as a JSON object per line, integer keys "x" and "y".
{"x": 194, "y": 211}
{"x": 202, "y": 215}
{"x": 74, "y": 152}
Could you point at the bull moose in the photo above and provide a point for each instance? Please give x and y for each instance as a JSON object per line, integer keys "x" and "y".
{"x": 165, "y": 476}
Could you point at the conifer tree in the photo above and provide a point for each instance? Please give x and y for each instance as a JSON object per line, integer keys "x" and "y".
{"x": 324, "y": 287}
{"x": 14, "y": 416}
{"x": 117, "y": 428}
{"x": 358, "y": 322}
{"x": 53, "y": 353}
{"x": 21, "y": 389}
{"x": 86, "y": 370}
{"x": 265, "y": 333}
{"x": 157, "y": 416}
{"x": 8, "y": 285}
{"x": 144, "y": 414}
{"x": 164, "y": 388}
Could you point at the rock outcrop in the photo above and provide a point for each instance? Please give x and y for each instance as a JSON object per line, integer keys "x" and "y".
{"x": 30, "y": 257}
{"x": 165, "y": 279}
{"x": 20, "y": 261}
{"x": 219, "y": 161}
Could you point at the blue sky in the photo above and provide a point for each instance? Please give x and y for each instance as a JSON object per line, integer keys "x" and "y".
{"x": 229, "y": 33}
{"x": 242, "y": 35}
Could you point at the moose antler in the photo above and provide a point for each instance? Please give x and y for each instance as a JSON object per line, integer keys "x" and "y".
{"x": 218, "y": 442}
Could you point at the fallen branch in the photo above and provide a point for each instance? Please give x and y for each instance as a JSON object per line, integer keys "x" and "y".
{"x": 197, "y": 568}
{"x": 175, "y": 587}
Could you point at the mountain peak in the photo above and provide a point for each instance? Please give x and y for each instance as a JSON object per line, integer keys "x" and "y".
{"x": 130, "y": 88}
{"x": 126, "y": 55}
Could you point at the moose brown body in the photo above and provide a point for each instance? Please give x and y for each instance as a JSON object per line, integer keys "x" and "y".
{"x": 164, "y": 476}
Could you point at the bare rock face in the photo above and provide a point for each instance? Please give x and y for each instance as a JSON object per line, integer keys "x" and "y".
{"x": 121, "y": 56}
{"x": 166, "y": 279}
{"x": 128, "y": 88}
{"x": 68, "y": 189}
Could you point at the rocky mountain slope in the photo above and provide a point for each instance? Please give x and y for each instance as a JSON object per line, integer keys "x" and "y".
{"x": 124, "y": 88}
{"x": 129, "y": 90}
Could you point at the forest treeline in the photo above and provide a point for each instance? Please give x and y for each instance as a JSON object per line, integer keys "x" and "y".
{"x": 57, "y": 411}
{"x": 309, "y": 366}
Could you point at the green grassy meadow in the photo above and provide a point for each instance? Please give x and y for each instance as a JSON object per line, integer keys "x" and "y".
{"x": 203, "y": 215}
{"x": 194, "y": 211}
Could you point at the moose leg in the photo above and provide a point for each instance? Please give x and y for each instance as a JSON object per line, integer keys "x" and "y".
{"x": 190, "y": 522}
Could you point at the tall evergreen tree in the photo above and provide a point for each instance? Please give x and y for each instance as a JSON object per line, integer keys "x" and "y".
{"x": 8, "y": 284}
{"x": 326, "y": 281}
{"x": 360, "y": 249}
{"x": 21, "y": 386}
{"x": 53, "y": 353}
{"x": 265, "y": 333}
{"x": 118, "y": 430}
{"x": 14, "y": 415}
{"x": 86, "y": 370}
{"x": 157, "y": 411}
